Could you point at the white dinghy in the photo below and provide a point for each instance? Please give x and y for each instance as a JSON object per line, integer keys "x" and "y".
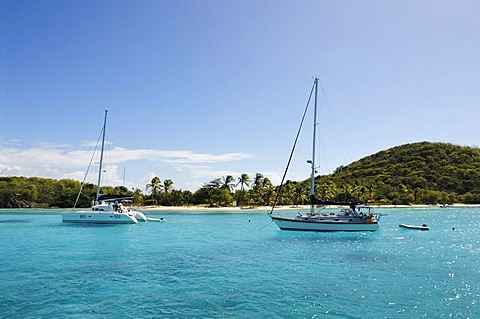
{"x": 416, "y": 227}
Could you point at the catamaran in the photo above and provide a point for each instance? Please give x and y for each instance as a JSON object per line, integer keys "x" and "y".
{"x": 107, "y": 209}
{"x": 354, "y": 217}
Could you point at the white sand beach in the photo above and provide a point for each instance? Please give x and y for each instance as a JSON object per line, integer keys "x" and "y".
{"x": 263, "y": 209}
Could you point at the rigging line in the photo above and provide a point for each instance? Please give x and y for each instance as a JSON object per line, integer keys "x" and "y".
{"x": 293, "y": 150}
{"x": 265, "y": 225}
{"x": 88, "y": 168}
{"x": 342, "y": 143}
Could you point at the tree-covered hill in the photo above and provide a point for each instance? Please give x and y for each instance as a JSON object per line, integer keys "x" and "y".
{"x": 417, "y": 173}
{"x": 23, "y": 192}
{"x": 421, "y": 172}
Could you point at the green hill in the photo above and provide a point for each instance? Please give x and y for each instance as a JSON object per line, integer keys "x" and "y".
{"x": 421, "y": 172}
{"x": 417, "y": 173}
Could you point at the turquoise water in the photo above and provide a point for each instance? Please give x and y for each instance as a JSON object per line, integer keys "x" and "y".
{"x": 223, "y": 266}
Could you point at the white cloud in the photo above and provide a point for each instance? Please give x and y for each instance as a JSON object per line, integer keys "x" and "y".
{"x": 9, "y": 141}
{"x": 183, "y": 156}
{"x": 93, "y": 143}
{"x": 60, "y": 161}
{"x": 9, "y": 170}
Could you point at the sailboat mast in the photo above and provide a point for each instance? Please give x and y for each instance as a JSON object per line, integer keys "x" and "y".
{"x": 101, "y": 157}
{"x": 312, "y": 176}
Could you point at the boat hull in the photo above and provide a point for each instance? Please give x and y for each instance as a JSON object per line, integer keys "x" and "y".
{"x": 323, "y": 225}
{"x": 414, "y": 227}
{"x": 98, "y": 218}
{"x": 139, "y": 216}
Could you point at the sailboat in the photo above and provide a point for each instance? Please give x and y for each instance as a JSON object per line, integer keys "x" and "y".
{"x": 107, "y": 209}
{"x": 354, "y": 217}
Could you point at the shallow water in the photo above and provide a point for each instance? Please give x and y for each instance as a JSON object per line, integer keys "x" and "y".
{"x": 205, "y": 265}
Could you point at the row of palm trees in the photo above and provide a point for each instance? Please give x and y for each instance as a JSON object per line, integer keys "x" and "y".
{"x": 219, "y": 191}
{"x": 156, "y": 185}
{"x": 226, "y": 190}
{"x": 243, "y": 191}
{"x": 226, "y": 182}
{"x": 244, "y": 181}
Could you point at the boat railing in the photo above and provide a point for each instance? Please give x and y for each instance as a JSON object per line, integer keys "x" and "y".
{"x": 378, "y": 216}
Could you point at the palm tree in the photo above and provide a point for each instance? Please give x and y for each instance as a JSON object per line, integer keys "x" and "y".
{"x": 228, "y": 183}
{"x": 288, "y": 193}
{"x": 167, "y": 185}
{"x": 165, "y": 198}
{"x": 266, "y": 182}
{"x": 244, "y": 180}
{"x": 257, "y": 186}
{"x": 214, "y": 183}
{"x": 240, "y": 195}
{"x": 300, "y": 193}
{"x": 268, "y": 191}
{"x": 137, "y": 196}
{"x": 216, "y": 193}
{"x": 258, "y": 181}
{"x": 155, "y": 186}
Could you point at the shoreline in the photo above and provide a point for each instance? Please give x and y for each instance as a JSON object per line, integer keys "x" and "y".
{"x": 247, "y": 209}
{"x": 279, "y": 208}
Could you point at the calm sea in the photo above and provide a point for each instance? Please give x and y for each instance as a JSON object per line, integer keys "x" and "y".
{"x": 204, "y": 265}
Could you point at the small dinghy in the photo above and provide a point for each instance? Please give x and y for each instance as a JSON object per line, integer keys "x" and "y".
{"x": 422, "y": 227}
{"x": 155, "y": 219}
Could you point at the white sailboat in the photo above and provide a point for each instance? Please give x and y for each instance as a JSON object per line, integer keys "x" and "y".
{"x": 353, "y": 218}
{"x": 107, "y": 209}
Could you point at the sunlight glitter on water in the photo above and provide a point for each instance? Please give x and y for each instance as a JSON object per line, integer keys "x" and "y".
{"x": 222, "y": 266}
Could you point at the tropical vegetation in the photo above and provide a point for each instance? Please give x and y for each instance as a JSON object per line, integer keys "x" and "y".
{"x": 417, "y": 173}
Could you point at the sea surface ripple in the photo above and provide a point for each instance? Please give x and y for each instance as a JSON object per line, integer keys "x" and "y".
{"x": 225, "y": 265}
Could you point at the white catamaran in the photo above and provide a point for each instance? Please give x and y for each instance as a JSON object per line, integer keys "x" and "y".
{"x": 108, "y": 209}
{"x": 353, "y": 218}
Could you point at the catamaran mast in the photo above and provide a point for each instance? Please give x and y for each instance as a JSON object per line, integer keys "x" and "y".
{"x": 312, "y": 176}
{"x": 101, "y": 157}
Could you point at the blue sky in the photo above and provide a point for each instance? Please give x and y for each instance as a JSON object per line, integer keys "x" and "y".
{"x": 198, "y": 90}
